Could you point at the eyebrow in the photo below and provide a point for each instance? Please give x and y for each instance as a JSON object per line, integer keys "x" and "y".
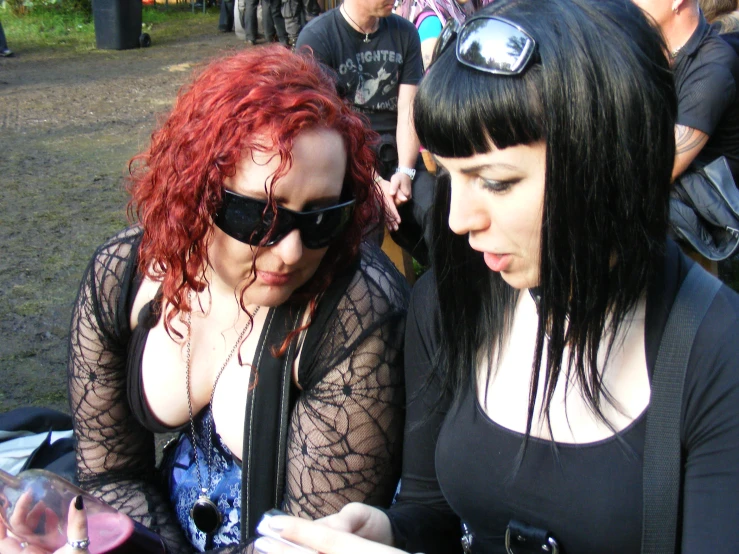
{"x": 478, "y": 168}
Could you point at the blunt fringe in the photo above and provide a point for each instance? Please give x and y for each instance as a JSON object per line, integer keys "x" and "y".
{"x": 600, "y": 94}
{"x": 256, "y": 100}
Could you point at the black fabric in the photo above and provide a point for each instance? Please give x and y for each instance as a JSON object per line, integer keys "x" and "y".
{"x": 662, "y": 450}
{"x": 368, "y": 74}
{"x": 58, "y": 456}
{"x": 386, "y": 151}
{"x": 706, "y": 75}
{"x": 588, "y": 496}
{"x": 522, "y": 538}
{"x": 226, "y": 17}
{"x": 265, "y": 429}
{"x": 732, "y": 39}
{"x": 704, "y": 210}
{"x": 414, "y": 232}
{"x": 344, "y": 426}
{"x": 35, "y": 420}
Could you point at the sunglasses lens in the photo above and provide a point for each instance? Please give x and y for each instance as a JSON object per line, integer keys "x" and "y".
{"x": 318, "y": 229}
{"x": 241, "y": 218}
{"x": 244, "y": 219}
{"x": 494, "y": 45}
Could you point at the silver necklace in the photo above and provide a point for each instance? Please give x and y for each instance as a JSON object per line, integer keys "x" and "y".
{"x": 361, "y": 29}
{"x": 204, "y": 512}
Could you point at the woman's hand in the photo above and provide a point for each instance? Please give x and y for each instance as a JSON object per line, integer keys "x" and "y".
{"x": 76, "y": 531}
{"x": 356, "y": 529}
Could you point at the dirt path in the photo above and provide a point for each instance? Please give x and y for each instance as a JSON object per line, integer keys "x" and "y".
{"x": 68, "y": 125}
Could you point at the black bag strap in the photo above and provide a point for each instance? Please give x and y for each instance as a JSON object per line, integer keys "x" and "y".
{"x": 662, "y": 449}
{"x": 266, "y": 423}
{"x": 268, "y": 407}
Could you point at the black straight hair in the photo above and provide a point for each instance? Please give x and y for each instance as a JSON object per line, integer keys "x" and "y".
{"x": 600, "y": 94}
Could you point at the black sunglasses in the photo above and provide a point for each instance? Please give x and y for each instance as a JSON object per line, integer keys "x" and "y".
{"x": 253, "y": 221}
{"x": 488, "y": 43}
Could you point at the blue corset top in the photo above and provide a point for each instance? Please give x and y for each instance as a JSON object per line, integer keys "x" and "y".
{"x": 224, "y": 476}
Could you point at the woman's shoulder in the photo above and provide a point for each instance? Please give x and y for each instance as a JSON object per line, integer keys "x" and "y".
{"x": 121, "y": 247}
{"x": 376, "y": 279}
{"x": 371, "y": 299}
{"x": 113, "y": 265}
{"x": 715, "y": 352}
{"x": 711, "y": 391}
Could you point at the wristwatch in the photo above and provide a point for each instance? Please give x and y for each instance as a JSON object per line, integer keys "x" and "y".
{"x": 407, "y": 170}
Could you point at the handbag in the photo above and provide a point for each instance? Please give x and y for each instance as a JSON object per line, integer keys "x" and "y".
{"x": 704, "y": 210}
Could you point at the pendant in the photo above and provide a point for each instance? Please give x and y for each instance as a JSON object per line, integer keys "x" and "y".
{"x": 366, "y": 38}
{"x": 205, "y": 515}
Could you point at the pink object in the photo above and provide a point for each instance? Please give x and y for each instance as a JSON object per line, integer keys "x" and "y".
{"x": 34, "y": 507}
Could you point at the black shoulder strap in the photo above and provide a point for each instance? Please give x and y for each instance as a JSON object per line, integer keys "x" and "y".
{"x": 268, "y": 406}
{"x": 266, "y": 422}
{"x": 662, "y": 452}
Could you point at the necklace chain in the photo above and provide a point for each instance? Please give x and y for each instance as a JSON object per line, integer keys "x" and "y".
{"x": 361, "y": 29}
{"x": 241, "y": 336}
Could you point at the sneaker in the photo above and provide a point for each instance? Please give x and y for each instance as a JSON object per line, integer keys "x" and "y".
{"x": 6, "y": 52}
{"x": 249, "y": 42}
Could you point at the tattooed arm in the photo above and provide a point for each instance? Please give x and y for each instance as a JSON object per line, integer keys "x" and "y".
{"x": 688, "y": 144}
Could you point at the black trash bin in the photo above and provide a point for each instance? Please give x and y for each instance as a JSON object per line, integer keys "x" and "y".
{"x": 117, "y": 23}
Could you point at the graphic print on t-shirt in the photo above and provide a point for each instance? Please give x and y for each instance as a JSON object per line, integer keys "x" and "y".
{"x": 372, "y": 79}
{"x": 368, "y": 86}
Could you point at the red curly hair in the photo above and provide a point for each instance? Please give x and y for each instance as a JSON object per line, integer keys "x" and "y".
{"x": 228, "y": 109}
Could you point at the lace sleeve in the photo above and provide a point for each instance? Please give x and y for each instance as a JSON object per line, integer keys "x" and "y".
{"x": 346, "y": 429}
{"x": 115, "y": 454}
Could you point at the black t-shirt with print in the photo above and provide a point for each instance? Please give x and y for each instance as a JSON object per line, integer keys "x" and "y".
{"x": 368, "y": 73}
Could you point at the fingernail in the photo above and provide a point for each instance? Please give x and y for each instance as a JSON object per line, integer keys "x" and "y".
{"x": 278, "y": 524}
{"x": 402, "y": 196}
{"x": 78, "y": 502}
{"x": 263, "y": 545}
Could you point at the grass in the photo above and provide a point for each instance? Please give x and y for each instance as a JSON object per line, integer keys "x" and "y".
{"x": 52, "y": 26}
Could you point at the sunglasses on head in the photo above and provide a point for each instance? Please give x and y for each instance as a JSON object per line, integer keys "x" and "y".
{"x": 488, "y": 43}
{"x": 254, "y": 222}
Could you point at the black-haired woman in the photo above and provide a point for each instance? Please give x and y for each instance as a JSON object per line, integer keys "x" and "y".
{"x": 531, "y": 345}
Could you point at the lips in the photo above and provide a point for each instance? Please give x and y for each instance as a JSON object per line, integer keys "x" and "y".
{"x": 497, "y": 262}
{"x": 274, "y": 279}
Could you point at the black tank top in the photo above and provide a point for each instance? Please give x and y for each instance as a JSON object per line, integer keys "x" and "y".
{"x": 561, "y": 490}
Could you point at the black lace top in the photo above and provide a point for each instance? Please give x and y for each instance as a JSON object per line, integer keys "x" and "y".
{"x": 345, "y": 428}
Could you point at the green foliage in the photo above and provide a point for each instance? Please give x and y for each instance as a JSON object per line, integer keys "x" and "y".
{"x": 42, "y": 23}
{"x": 67, "y": 24}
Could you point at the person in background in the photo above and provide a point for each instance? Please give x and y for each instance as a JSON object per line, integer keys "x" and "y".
{"x": 376, "y": 56}
{"x": 295, "y": 14}
{"x": 5, "y": 52}
{"x": 721, "y": 14}
{"x": 430, "y": 16}
{"x": 531, "y": 345}
{"x": 226, "y": 17}
{"x": 243, "y": 297}
{"x": 274, "y": 22}
{"x": 706, "y": 78}
{"x": 706, "y": 70}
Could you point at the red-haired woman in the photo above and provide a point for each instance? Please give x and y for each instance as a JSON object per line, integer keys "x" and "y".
{"x": 244, "y": 311}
